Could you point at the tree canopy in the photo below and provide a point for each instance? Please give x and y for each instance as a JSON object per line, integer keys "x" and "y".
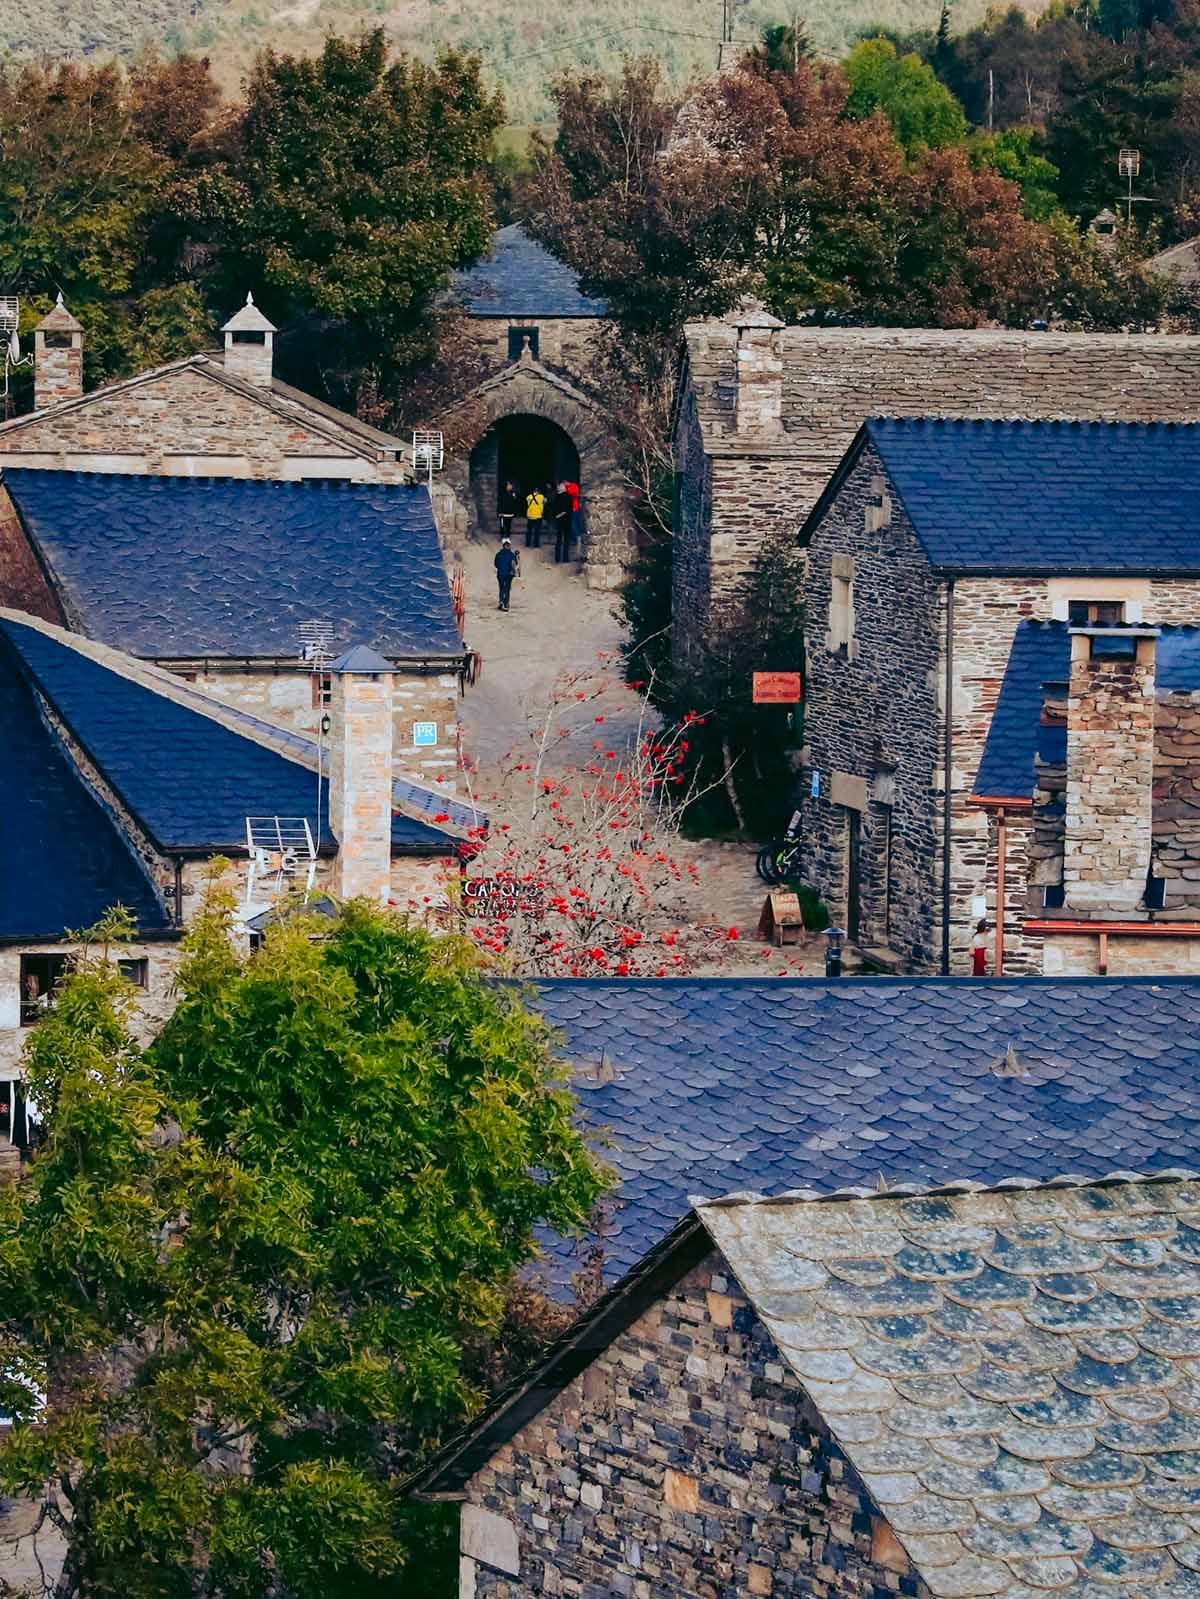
{"x": 247, "y": 1267}
{"x": 922, "y": 111}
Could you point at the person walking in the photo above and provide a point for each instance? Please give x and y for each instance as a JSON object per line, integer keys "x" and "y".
{"x": 576, "y": 521}
{"x": 560, "y": 510}
{"x": 508, "y": 506}
{"x": 535, "y": 509}
{"x": 979, "y": 949}
{"x": 508, "y": 566}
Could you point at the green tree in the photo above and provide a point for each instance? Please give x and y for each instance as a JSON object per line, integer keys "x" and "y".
{"x": 249, "y": 1264}
{"x": 357, "y": 183}
{"x": 1016, "y": 155}
{"x": 921, "y": 110}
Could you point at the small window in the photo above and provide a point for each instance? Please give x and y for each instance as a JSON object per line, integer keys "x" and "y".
{"x": 40, "y": 976}
{"x": 56, "y": 341}
{"x": 1096, "y": 613}
{"x": 517, "y": 340}
{"x": 249, "y": 336}
{"x": 840, "y": 638}
{"x": 322, "y": 690}
{"x": 135, "y": 971}
{"x": 1053, "y": 897}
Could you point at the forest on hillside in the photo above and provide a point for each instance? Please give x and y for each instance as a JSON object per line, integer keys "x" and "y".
{"x": 523, "y": 42}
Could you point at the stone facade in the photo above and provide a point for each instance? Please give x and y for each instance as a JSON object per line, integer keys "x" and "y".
{"x": 875, "y": 724}
{"x": 686, "y": 1459}
{"x": 739, "y": 486}
{"x": 57, "y": 358}
{"x": 360, "y": 777}
{"x": 565, "y": 344}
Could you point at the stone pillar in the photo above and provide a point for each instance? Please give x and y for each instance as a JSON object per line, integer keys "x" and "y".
{"x": 360, "y": 774}
{"x": 250, "y": 346}
{"x": 57, "y": 358}
{"x": 759, "y": 369}
{"x": 1110, "y": 769}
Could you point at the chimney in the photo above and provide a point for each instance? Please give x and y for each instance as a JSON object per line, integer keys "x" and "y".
{"x": 250, "y": 345}
{"x": 759, "y": 369}
{"x": 57, "y": 358}
{"x": 360, "y": 774}
{"x": 1110, "y": 768}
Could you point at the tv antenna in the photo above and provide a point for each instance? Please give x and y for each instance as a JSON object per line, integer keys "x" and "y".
{"x": 280, "y": 849}
{"x": 1129, "y": 164}
{"x": 10, "y": 339}
{"x": 316, "y": 648}
{"x": 428, "y": 454}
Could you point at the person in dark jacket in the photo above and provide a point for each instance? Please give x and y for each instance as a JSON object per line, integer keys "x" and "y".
{"x": 509, "y": 506}
{"x": 508, "y": 564}
{"x": 560, "y": 510}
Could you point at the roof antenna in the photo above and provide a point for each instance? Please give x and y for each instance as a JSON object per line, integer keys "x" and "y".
{"x": 10, "y": 338}
{"x": 316, "y": 648}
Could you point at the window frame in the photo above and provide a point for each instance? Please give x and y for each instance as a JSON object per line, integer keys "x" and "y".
{"x": 56, "y": 968}
{"x": 516, "y": 341}
{"x": 140, "y": 976}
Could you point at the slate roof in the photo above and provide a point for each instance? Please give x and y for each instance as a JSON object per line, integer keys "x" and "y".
{"x": 731, "y": 1083}
{"x": 1054, "y": 497}
{"x": 187, "y": 779}
{"x": 1041, "y": 653}
{"x": 520, "y": 278}
{"x": 63, "y": 860}
{"x": 1013, "y": 1374}
{"x": 187, "y": 568}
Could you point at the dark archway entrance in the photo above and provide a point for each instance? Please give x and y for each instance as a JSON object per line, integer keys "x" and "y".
{"x": 530, "y": 451}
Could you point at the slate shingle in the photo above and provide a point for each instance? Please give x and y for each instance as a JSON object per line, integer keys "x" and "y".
{"x": 732, "y": 1084}
{"x": 190, "y": 781}
{"x": 520, "y": 278}
{"x": 1054, "y": 497}
{"x": 183, "y": 568}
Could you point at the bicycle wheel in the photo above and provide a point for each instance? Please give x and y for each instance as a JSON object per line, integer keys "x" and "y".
{"x": 764, "y": 864}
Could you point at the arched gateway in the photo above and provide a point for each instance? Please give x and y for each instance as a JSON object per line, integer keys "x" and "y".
{"x": 534, "y": 426}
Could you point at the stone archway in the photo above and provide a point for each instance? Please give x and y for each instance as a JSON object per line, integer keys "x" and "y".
{"x": 529, "y": 390}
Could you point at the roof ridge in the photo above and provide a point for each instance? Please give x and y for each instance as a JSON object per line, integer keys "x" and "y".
{"x": 1007, "y": 1185}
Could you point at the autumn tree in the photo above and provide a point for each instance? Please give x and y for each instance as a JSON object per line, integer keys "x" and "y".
{"x": 239, "y": 1283}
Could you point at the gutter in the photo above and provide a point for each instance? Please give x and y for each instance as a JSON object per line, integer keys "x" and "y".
{"x": 947, "y": 775}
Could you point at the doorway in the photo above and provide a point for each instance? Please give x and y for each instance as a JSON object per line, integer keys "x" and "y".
{"x": 853, "y": 875}
{"x": 533, "y": 453}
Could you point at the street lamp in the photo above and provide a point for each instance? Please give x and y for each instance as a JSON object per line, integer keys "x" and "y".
{"x": 833, "y": 951}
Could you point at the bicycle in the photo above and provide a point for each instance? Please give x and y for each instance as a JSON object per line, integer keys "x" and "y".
{"x": 779, "y": 861}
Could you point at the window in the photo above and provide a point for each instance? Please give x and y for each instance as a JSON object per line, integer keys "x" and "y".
{"x": 249, "y": 336}
{"x": 517, "y": 339}
{"x": 135, "y": 971}
{"x": 57, "y": 341}
{"x": 840, "y": 638}
{"x": 1096, "y": 613}
{"x": 40, "y": 976}
{"x": 1053, "y": 897}
{"x": 322, "y": 690}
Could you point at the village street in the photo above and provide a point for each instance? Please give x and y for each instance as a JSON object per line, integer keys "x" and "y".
{"x": 560, "y": 641}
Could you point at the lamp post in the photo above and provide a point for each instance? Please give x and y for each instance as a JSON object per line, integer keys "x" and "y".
{"x": 833, "y": 951}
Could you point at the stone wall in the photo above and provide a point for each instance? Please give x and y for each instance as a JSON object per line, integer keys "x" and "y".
{"x": 186, "y": 422}
{"x": 1078, "y": 955}
{"x": 568, "y": 344}
{"x": 24, "y": 585}
{"x": 1176, "y": 810}
{"x": 871, "y": 721}
{"x": 686, "y": 1460}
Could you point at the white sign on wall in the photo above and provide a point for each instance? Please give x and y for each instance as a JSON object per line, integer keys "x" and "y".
{"x": 425, "y": 735}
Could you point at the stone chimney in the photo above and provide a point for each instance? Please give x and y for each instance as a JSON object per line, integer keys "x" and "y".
{"x": 759, "y": 369}
{"x": 57, "y": 358}
{"x": 1110, "y": 769}
{"x": 360, "y": 774}
{"x": 250, "y": 345}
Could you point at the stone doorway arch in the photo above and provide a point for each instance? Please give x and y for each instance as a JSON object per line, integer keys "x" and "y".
{"x": 530, "y": 391}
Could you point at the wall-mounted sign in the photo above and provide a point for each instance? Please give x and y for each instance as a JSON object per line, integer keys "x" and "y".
{"x": 816, "y": 784}
{"x": 776, "y": 688}
{"x": 424, "y": 735}
{"x": 499, "y": 897}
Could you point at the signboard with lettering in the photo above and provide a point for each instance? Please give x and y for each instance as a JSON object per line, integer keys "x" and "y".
{"x": 424, "y": 735}
{"x": 777, "y": 688}
{"x": 499, "y": 897}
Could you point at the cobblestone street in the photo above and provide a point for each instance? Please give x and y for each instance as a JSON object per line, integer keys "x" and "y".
{"x": 560, "y": 639}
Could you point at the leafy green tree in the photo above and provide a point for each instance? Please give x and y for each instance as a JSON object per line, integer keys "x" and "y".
{"x": 921, "y": 110}
{"x": 247, "y": 1265}
{"x": 1016, "y": 155}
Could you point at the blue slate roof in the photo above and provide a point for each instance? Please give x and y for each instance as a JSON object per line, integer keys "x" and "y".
{"x": 180, "y": 568}
{"x": 188, "y": 780}
{"x": 1040, "y": 654}
{"x": 1060, "y": 497}
{"x": 520, "y": 278}
{"x": 725, "y": 1085}
{"x": 63, "y": 860}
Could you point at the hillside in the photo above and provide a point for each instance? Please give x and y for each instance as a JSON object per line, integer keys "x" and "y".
{"x": 524, "y": 41}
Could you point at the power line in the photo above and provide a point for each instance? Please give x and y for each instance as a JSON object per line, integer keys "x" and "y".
{"x": 612, "y": 33}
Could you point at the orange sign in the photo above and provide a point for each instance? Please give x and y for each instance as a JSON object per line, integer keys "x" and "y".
{"x": 776, "y": 688}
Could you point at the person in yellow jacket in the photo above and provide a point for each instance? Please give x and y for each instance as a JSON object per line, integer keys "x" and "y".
{"x": 535, "y": 509}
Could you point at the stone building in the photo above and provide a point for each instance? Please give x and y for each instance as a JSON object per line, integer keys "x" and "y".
{"x": 119, "y": 784}
{"x": 958, "y": 1392}
{"x": 536, "y": 418}
{"x": 1091, "y": 778}
{"x": 777, "y": 1083}
{"x": 932, "y": 542}
{"x": 764, "y": 414}
{"x": 219, "y": 414}
{"x": 218, "y": 578}
{"x": 1181, "y": 262}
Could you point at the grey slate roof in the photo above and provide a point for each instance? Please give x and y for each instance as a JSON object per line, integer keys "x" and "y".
{"x": 1054, "y": 497}
{"x": 520, "y": 278}
{"x": 1041, "y": 653}
{"x": 1013, "y": 1374}
{"x": 721, "y": 1084}
{"x": 187, "y": 568}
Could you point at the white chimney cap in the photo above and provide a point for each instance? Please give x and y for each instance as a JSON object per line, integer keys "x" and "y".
{"x": 249, "y": 320}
